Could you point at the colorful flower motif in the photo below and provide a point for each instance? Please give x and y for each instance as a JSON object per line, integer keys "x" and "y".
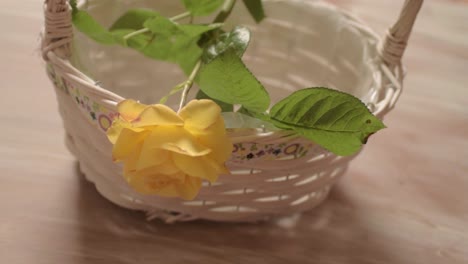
{"x": 260, "y": 153}
{"x": 291, "y": 149}
{"x": 251, "y": 151}
{"x": 104, "y": 122}
{"x": 168, "y": 153}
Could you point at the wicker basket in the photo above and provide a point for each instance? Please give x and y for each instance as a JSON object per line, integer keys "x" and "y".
{"x": 301, "y": 44}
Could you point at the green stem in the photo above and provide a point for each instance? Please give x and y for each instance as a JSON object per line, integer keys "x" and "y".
{"x": 220, "y": 18}
{"x": 225, "y": 12}
{"x": 189, "y": 84}
{"x": 181, "y": 16}
{"x": 144, "y": 30}
{"x": 135, "y": 33}
{"x": 173, "y": 91}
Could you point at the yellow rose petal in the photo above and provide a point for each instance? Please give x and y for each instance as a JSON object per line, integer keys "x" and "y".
{"x": 176, "y": 185}
{"x": 167, "y": 168}
{"x": 168, "y": 191}
{"x": 200, "y": 114}
{"x": 126, "y": 142}
{"x": 130, "y": 109}
{"x": 116, "y": 128}
{"x": 162, "y": 169}
{"x": 190, "y": 188}
{"x": 218, "y": 141}
{"x": 150, "y": 157}
{"x": 144, "y": 184}
{"x": 186, "y": 189}
{"x": 114, "y": 131}
{"x": 176, "y": 139}
{"x": 131, "y": 160}
{"x": 157, "y": 115}
{"x": 198, "y": 167}
{"x": 157, "y": 184}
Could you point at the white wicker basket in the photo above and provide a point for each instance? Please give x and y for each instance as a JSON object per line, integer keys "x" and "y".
{"x": 300, "y": 44}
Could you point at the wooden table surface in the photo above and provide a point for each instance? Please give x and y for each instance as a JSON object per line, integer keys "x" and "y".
{"x": 404, "y": 199}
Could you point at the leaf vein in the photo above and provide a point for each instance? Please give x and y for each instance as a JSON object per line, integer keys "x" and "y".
{"x": 344, "y": 115}
{"x": 329, "y": 110}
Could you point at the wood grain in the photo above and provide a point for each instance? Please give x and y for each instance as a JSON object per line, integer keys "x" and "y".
{"x": 403, "y": 200}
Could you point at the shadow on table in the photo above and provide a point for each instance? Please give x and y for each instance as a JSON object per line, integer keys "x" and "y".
{"x": 332, "y": 233}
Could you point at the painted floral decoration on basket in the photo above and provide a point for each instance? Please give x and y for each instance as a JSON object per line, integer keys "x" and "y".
{"x": 235, "y": 152}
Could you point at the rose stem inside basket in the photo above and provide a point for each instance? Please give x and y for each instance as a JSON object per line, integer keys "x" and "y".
{"x": 221, "y": 17}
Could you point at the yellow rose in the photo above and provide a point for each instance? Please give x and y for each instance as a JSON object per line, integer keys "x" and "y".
{"x": 166, "y": 153}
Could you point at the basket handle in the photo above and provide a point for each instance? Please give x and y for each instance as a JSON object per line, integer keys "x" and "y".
{"x": 58, "y": 29}
{"x": 393, "y": 46}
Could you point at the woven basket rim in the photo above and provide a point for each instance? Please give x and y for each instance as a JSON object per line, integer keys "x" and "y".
{"x": 111, "y": 99}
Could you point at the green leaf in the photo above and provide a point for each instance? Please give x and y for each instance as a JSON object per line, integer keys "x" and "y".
{"x": 189, "y": 57}
{"x": 238, "y": 40}
{"x": 86, "y": 24}
{"x": 137, "y": 42}
{"x": 194, "y": 30}
{"x": 227, "y": 79}
{"x": 225, "y": 107}
{"x": 161, "y": 25}
{"x": 239, "y": 120}
{"x": 337, "y": 121}
{"x": 165, "y": 40}
{"x": 174, "y": 42}
{"x": 133, "y": 19}
{"x": 202, "y": 7}
{"x": 255, "y": 8}
{"x": 74, "y": 5}
{"x": 261, "y": 116}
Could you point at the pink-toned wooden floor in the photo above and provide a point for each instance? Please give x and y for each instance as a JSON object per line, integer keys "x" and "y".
{"x": 404, "y": 200}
